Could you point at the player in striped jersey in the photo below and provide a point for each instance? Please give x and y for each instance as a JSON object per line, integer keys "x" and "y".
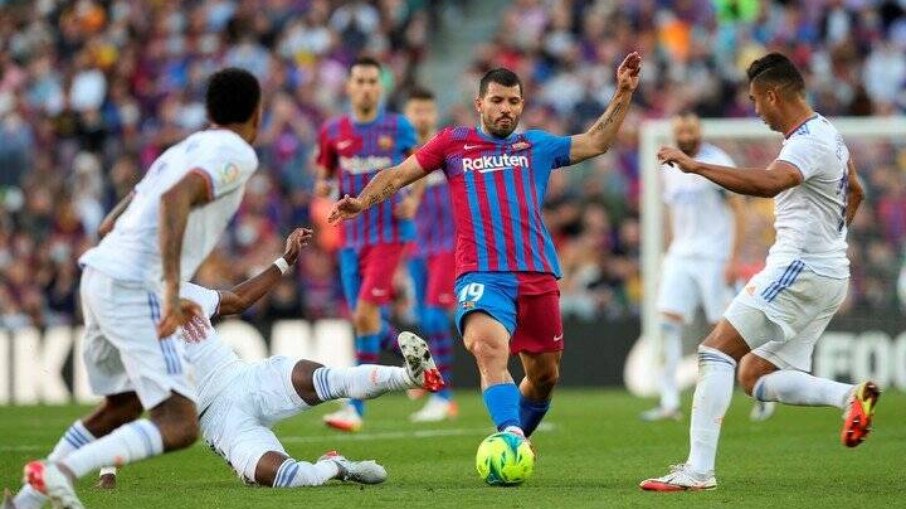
{"x": 431, "y": 263}
{"x": 506, "y": 265}
{"x": 771, "y": 327}
{"x": 352, "y": 149}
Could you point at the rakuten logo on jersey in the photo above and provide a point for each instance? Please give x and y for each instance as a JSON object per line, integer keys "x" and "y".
{"x": 485, "y": 164}
{"x": 358, "y": 165}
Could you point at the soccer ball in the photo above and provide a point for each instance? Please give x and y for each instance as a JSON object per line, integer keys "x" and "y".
{"x": 505, "y": 459}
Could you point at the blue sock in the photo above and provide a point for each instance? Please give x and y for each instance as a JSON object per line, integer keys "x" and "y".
{"x": 531, "y": 413}
{"x": 367, "y": 348}
{"x": 502, "y": 401}
{"x": 436, "y": 324}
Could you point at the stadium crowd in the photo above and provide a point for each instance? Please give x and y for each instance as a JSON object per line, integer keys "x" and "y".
{"x": 92, "y": 91}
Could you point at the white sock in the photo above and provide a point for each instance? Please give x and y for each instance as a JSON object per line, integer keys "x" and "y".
{"x": 360, "y": 382}
{"x": 127, "y": 444}
{"x": 672, "y": 350}
{"x": 75, "y": 437}
{"x": 798, "y": 388}
{"x": 295, "y": 474}
{"x": 712, "y": 398}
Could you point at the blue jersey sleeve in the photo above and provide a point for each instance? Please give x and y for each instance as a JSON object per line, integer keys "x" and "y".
{"x": 550, "y": 147}
{"x": 406, "y": 138}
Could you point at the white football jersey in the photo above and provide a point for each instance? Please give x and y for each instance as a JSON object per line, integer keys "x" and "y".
{"x": 211, "y": 358}
{"x": 810, "y": 218}
{"x": 131, "y": 251}
{"x": 700, "y": 218}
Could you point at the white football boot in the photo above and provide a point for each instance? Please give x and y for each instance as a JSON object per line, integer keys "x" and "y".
{"x": 48, "y": 479}
{"x": 680, "y": 478}
{"x": 362, "y": 472}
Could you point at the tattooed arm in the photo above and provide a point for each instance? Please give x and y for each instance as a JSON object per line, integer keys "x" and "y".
{"x": 602, "y": 133}
{"x": 382, "y": 186}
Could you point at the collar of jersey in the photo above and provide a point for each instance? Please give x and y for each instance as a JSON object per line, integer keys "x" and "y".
{"x": 379, "y": 116}
{"x": 509, "y": 139}
{"x": 806, "y": 121}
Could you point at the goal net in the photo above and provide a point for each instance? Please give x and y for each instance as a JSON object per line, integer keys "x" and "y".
{"x": 877, "y": 247}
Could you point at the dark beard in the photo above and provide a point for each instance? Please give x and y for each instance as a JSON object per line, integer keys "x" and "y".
{"x": 690, "y": 149}
{"x": 500, "y": 132}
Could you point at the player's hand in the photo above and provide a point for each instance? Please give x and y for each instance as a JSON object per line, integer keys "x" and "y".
{"x": 299, "y": 238}
{"x": 196, "y": 330}
{"x": 628, "y": 72}
{"x": 323, "y": 188}
{"x": 176, "y": 314}
{"x": 406, "y": 208}
{"x": 676, "y": 158}
{"x": 345, "y": 209}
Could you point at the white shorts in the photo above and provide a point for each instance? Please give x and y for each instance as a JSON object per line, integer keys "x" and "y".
{"x": 121, "y": 350}
{"x": 687, "y": 283}
{"x": 782, "y": 312}
{"x": 237, "y": 423}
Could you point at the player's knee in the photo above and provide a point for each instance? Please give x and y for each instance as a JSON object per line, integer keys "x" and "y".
{"x": 177, "y": 421}
{"x": 484, "y": 349}
{"x": 123, "y": 411}
{"x": 366, "y": 319}
{"x": 546, "y": 379}
{"x": 751, "y": 369}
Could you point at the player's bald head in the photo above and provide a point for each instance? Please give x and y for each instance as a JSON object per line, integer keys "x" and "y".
{"x": 687, "y": 132}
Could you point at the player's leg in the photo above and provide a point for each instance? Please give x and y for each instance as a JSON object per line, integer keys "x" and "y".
{"x": 437, "y": 324}
{"x": 127, "y": 317}
{"x": 486, "y": 317}
{"x": 276, "y": 469}
{"x": 113, "y": 412}
{"x": 539, "y": 342}
{"x": 678, "y": 297}
{"x": 718, "y": 356}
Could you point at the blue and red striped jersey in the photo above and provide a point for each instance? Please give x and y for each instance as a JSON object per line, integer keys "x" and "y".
{"x": 434, "y": 223}
{"x": 497, "y": 187}
{"x": 355, "y": 153}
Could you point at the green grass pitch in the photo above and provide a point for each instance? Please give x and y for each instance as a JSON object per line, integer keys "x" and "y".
{"x": 592, "y": 453}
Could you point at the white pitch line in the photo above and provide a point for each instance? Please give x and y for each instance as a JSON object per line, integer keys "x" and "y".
{"x": 396, "y": 435}
{"x": 22, "y": 448}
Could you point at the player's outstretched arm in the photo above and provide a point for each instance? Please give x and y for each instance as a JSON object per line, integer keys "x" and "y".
{"x": 603, "y": 132}
{"x": 384, "y": 185}
{"x": 245, "y": 294}
{"x": 762, "y": 182}
{"x": 110, "y": 219}
{"x": 855, "y": 193}
{"x": 175, "y": 204}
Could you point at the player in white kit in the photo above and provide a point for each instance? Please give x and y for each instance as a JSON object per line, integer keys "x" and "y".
{"x": 706, "y": 226}
{"x": 240, "y": 401}
{"x": 771, "y": 327}
{"x": 130, "y": 291}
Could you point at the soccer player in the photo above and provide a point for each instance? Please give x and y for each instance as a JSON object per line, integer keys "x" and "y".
{"x": 352, "y": 148}
{"x": 130, "y": 292}
{"x": 431, "y": 263}
{"x": 506, "y": 265}
{"x": 706, "y": 226}
{"x": 770, "y": 328}
{"x": 240, "y": 401}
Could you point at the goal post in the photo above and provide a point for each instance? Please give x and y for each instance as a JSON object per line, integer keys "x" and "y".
{"x": 641, "y": 365}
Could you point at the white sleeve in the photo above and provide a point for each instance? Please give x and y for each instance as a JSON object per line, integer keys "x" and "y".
{"x": 226, "y": 169}
{"x": 801, "y": 154}
{"x": 209, "y": 300}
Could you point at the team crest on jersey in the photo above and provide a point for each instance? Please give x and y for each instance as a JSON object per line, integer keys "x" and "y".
{"x": 229, "y": 173}
{"x": 385, "y": 142}
{"x": 751, "y": 289}
{"x": 468, "y": 304}
{"x": 520, "y": 145}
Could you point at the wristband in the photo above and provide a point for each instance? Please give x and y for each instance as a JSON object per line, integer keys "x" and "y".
{"x": 281, "y": 264}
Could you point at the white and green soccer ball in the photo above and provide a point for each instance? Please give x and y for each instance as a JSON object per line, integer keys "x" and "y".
{"x": 505, "y": 459}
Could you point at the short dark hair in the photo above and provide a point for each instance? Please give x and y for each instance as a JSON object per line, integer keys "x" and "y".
{"x": 420, "y": 94}
{"x": 776, "y": 69}
{"x": 501, "y": 76}
{"x": 232, "y": 97}
{"x": 365, "y": 61}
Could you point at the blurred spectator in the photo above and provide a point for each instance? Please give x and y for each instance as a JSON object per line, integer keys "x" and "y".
{"x": 91, "y": 91}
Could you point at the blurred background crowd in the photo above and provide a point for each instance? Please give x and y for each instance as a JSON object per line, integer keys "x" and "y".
{"x": 91, "y": 91}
